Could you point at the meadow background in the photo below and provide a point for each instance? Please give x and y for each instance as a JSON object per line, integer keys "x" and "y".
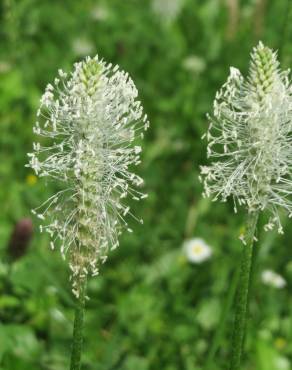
{"x": 150, "y": 308}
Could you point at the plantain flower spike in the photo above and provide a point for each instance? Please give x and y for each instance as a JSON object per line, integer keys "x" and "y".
{"x": 250, "y": 139}
{"x": 92, "y": 118}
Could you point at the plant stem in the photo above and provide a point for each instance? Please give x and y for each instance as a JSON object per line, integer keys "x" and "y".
{"x": 78, "y": 329}
{"x": 243, "y": 293}
{"x": 222, "y": 322}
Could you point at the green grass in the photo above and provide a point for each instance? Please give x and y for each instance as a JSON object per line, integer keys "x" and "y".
{"x": 150, "y": 308}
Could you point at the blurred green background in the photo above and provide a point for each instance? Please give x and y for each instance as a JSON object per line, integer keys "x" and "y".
{"x": 150, "y": 308}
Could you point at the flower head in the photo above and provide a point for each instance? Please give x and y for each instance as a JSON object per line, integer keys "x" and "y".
{"x": 273, "y": 279}
{"x": 250, "y": 138}
{"x": 92, "y": 117}
{"x": 196, "y": 250}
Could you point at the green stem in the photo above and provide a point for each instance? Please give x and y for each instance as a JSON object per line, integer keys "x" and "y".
{"x": 243, "y": 293}
{"x": 217, "y": 340}
{"x": 78, "y": 329}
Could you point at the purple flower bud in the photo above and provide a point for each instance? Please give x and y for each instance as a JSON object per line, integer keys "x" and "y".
{"x": 20, "y": 239}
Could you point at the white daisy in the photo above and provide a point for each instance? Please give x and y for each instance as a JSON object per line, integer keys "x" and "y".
{"x": 197, "y": 250}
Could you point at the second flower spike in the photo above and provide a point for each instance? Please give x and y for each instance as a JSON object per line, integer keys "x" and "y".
{"x": 249, "y": 138}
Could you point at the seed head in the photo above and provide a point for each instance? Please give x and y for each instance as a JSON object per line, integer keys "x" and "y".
{"x": 249, "y": 139}
{"x": 92, "y": 117}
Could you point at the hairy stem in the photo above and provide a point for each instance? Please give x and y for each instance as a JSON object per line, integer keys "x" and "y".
{"x": 78, "y": 328}
{"x": 243, "y": 293}
{"x": 222, "y": 322}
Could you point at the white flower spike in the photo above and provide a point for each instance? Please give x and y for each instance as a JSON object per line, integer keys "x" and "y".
{"x": 197, "y": 250}
{"x": 92, "y": 117}
{"x": 250, "y": 139}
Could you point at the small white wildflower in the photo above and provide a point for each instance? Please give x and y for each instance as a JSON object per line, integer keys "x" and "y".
{"x": 250, "y": 139}
{"x": 92, "y": 117}
{"x": 273, "y": 279}
{"x": 197, "y": 250}
{"x": 282, "y": 363}
{"x": 167, "y": 10}
{"x": 194, "y": 64}
{"x": 82, "y": 46}
{"x": 100, "y": 13}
